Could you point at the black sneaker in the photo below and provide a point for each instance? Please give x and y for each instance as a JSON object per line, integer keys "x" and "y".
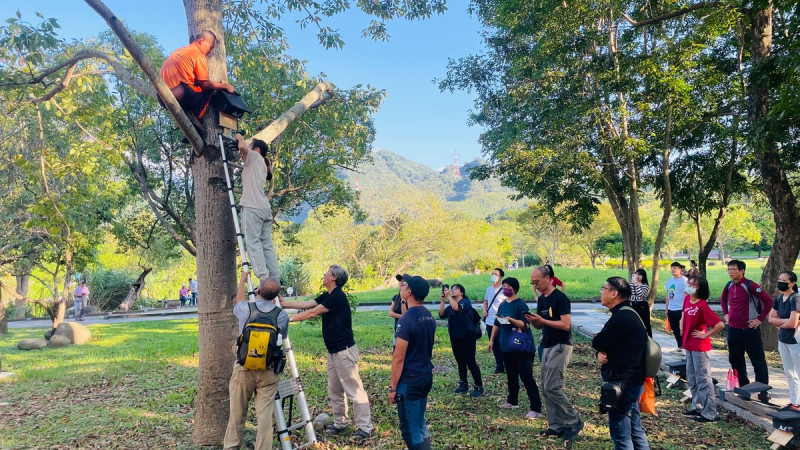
{"x": 764, "y": 397}
{"x": 550, "y": 432}
{"x": 361, "y": 435}
{"x": 572, "y": 433}
{"x": 499, "y": 369}
{"x": 701, "y": 419}
{"x": 477, "y": 392}
{"x": 690, "y": 413}
{"x": 333, "y": 430}
{"x": 462, "y": 387}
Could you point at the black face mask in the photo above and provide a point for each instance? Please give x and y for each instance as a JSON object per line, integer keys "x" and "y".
{"x": 783, "y": 286}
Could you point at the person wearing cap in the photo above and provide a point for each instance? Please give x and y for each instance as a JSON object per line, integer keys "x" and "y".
{"x": 412, "y": 369}
{"x": 398, "y": 307}
{"x": 676, "y": 293}
{"x": 344, "y": 381}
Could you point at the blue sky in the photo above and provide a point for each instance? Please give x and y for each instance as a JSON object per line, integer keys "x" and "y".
{"x": 416, "y": 120}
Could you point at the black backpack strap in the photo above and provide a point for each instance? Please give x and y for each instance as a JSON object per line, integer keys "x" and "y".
{"x": 253, "y": 311}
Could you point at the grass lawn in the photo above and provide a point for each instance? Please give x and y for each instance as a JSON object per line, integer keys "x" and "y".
{"x": 133, "y": 387}
{"x": 581, "y": 284}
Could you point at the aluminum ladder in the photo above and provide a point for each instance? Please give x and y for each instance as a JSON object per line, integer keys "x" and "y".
{"x": 289, "y": 387}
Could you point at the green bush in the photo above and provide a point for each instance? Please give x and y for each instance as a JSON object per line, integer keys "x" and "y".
{"x": 294, "y": 274}
{"x": 109, "y": 287}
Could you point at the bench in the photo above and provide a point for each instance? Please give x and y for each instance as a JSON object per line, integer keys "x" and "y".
{"x": 170, "y": 303}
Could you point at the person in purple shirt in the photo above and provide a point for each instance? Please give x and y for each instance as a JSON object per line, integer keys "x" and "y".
{"x": 745, "y": 306}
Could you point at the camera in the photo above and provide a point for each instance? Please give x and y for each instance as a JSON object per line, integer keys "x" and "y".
{"x": 445, "y": 287}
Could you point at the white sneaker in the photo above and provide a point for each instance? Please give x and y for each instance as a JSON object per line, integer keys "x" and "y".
{"x": 507, "y": 405}
{"x": 532, "y": 415}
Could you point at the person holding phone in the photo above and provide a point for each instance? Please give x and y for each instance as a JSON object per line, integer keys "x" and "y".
{"x": 519, "y": 364}
{"x": 457, "y": 309}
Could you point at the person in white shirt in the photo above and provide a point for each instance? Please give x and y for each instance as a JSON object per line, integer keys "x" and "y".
{"x": 491, "y": 301}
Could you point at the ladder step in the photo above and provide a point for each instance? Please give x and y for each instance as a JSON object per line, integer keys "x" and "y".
{"x": 237, "y": 191}
{"x": 288, "y": 387}
{"x": 237, "y": 165}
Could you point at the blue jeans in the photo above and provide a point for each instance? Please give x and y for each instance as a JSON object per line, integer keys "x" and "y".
{"x": 625, "y": 428}
{"x": 193, "y": 300}
{"x": 412, "y": 417}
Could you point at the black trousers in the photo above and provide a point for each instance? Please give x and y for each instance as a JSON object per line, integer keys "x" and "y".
{"x": 191, "y": 101}
{"x": 741, "y": 340}
{"x": 643, "y": 308}
{"x": 464, "y": 352}
{"x": 674, "y": 318}
{"x": 498, "y": 353}
{"x": 519, "y": 366}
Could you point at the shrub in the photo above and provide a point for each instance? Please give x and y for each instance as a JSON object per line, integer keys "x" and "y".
{"x": 109, "y": 287}
{"x": 294, "y": 274}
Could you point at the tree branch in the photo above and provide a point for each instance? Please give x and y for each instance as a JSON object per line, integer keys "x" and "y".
{"x": 321, "y": 94}
{"x": 667, "y": 16}
{"x": 146, "y": 65}
{"x": 122, "y": 73}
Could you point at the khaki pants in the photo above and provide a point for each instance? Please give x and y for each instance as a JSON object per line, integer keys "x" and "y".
{"x": 561, "y": 415}
{"x": 344, "y": 383}
{"x": 244, "y": 382}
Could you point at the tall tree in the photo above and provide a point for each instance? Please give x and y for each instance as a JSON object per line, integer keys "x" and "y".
{"x": 213, "y": 232}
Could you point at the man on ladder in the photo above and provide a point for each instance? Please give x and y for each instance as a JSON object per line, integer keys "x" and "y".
{"x": 256, "y": 210}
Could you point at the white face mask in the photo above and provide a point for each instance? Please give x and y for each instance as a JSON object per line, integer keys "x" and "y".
{"x": 495, "y": 279}
{"x": 690, "y": 290}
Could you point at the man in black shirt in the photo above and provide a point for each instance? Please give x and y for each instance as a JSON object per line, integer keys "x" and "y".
{"x": 553, "y": 317}
{"x": 620, "y": 349}
{"x": 344, "y": 381}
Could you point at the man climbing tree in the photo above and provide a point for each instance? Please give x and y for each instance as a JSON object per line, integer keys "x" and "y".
{"x": 185, "y": 72}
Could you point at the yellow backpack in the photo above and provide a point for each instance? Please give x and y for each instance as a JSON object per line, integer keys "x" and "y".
{"x": 257, "y": 347}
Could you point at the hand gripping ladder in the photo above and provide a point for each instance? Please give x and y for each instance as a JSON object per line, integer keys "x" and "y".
{"x": 289, "y": 387}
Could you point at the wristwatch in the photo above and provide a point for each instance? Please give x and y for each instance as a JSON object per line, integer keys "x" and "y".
{"x": 391, "y": 389}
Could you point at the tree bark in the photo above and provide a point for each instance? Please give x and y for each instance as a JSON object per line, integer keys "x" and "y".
{"x": 23, "y": 283}
{"x": 667, "y": 204}
{"x": 136, "y": 288}
{"x": 776, "y": 184}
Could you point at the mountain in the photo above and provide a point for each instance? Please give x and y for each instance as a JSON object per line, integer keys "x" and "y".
{"x": 477, "y": 199}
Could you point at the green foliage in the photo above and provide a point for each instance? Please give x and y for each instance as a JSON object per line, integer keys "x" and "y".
{"x": 108, "y": 287}
{"x": 294, "y": 274}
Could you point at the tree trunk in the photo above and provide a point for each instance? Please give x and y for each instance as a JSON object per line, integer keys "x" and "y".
{"x": 21, "y": 303}
{"x": 3, "y": 317}
{"x": 216, "y": 253}
{"x": 136, "y": 288}
{"x": 776, "y": 185}
{"x": 667, "y": 204}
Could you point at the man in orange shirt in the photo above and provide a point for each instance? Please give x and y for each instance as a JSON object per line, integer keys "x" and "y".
{"x": 185, "y": 72}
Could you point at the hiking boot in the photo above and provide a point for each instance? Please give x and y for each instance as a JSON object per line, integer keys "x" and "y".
{"x": 361, "y": 435}
{"x": 691, "y": 413}
{"x": 477, "y": 392}
{"x": 333, "y": 430}
{"x": 463, "y": 386}
{"x": 764, "y": 397}
{"x": 573, "y": 432}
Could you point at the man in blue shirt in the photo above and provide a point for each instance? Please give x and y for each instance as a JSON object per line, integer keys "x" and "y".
{"x": 412, "y": 369}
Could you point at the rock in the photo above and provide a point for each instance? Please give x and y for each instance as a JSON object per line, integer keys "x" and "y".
{"x": 320, "y": 422}
{"x": 91, "y": 309}
{"x": 30, "y": 344}
{"x": 77, "y": 333}
{"x": 59, "y": 341}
